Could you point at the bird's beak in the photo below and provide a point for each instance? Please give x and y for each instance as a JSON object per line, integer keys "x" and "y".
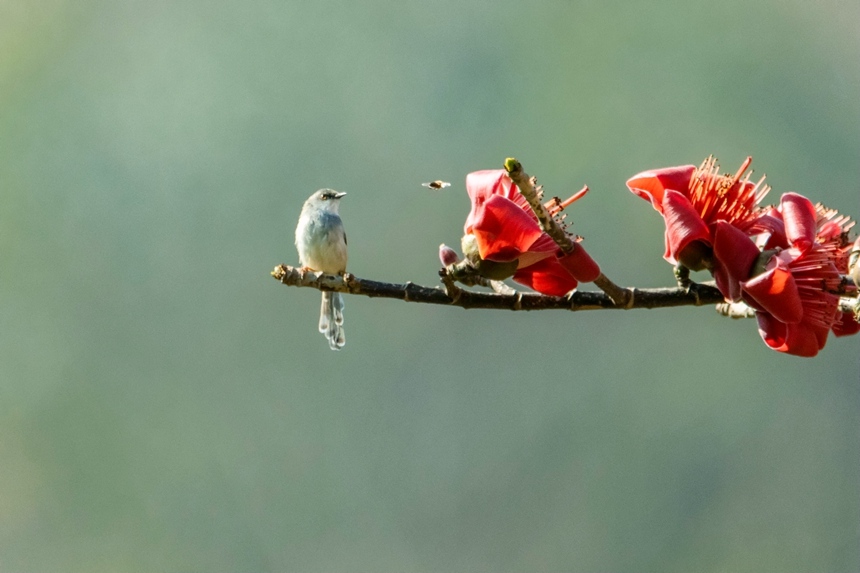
{"x": 339, "y": 195}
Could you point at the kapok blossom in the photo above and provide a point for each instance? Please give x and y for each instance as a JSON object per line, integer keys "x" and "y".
{"x": 502, "y": 229}
{"x": 831, "y": 234}
{"x": 692, "y": 200}
{"x": 791, "y": 286}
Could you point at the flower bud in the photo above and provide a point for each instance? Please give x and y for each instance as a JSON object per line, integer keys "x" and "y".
{"x": 447, "y": 255}
{"x": 469, "y": 244}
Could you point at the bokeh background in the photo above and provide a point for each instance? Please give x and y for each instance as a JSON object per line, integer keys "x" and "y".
{"x": 165, "y": 405}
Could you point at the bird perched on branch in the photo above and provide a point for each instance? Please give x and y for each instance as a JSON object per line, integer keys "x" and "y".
{"x": 321, "y": 242}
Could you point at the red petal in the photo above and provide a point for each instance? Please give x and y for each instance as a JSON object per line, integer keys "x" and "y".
{"x": 799, "y": 216}
{"x": 683, "y": 226}
{"x": 503, "y": 231}
{"x": 532, "y": 256}
{"x": 728, "y": 285}
{"x": 651, "y": 185}
{"x": 845, "y": 324}
{"x": 796, "y": 339}
{"x": 829, "y": 230}
{"x": 734, "y": 250}
{"x": 776, "y": 291}
{"x": 770, "y": 223}
{"x": 481, "y": 185}
{"x": 543, "y": 244}
{"x": 580, "y": 264}
{"x": 547, "y": 277}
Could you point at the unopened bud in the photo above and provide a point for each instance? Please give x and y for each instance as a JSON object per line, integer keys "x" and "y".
{"x": 447, "y": 255}
{"x": 469, "y": 245}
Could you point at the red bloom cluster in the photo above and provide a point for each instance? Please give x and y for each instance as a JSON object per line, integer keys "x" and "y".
{"x": 790, "y": 277}
{"x": 785, "y": 262}
{"x": 501, "y": 228}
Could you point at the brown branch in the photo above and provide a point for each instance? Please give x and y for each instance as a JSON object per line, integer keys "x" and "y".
{"x": 453, "y": 295}
{"x": 507, "y": 298}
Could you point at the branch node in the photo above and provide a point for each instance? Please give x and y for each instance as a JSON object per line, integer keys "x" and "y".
{"x": 279, "y": 272}
{"x": 682, "y": 276}
{"x": 621, "y": 297}
{"x": 735, "y": 310}
{"x": 451, "y": 289}
{"x": 500, "y": 287}
{"x": 518, "y": 302}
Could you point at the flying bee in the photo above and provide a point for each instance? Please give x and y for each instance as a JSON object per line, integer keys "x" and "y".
{"x": 438, "y": 184}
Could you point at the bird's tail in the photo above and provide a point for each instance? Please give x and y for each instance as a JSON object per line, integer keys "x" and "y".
{"x": 331, "y": 319}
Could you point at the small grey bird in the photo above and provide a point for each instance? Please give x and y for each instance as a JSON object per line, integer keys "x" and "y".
{"x": 321, "y": 242}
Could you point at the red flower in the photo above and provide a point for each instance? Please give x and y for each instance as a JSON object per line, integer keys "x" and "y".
{"x": 791, "y": 286}
{"x": 505, "y": 230}
{"x": 692, "y": 200}
{"x": 831, "y": 233}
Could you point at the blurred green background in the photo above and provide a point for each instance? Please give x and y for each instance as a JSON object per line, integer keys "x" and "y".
{"x": 165, "y": 405}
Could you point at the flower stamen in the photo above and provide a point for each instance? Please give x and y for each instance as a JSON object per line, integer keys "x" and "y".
{"x": 744, "y": 166}
{"x": 556, "y": 205}
{"x": 726, "y": 197}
